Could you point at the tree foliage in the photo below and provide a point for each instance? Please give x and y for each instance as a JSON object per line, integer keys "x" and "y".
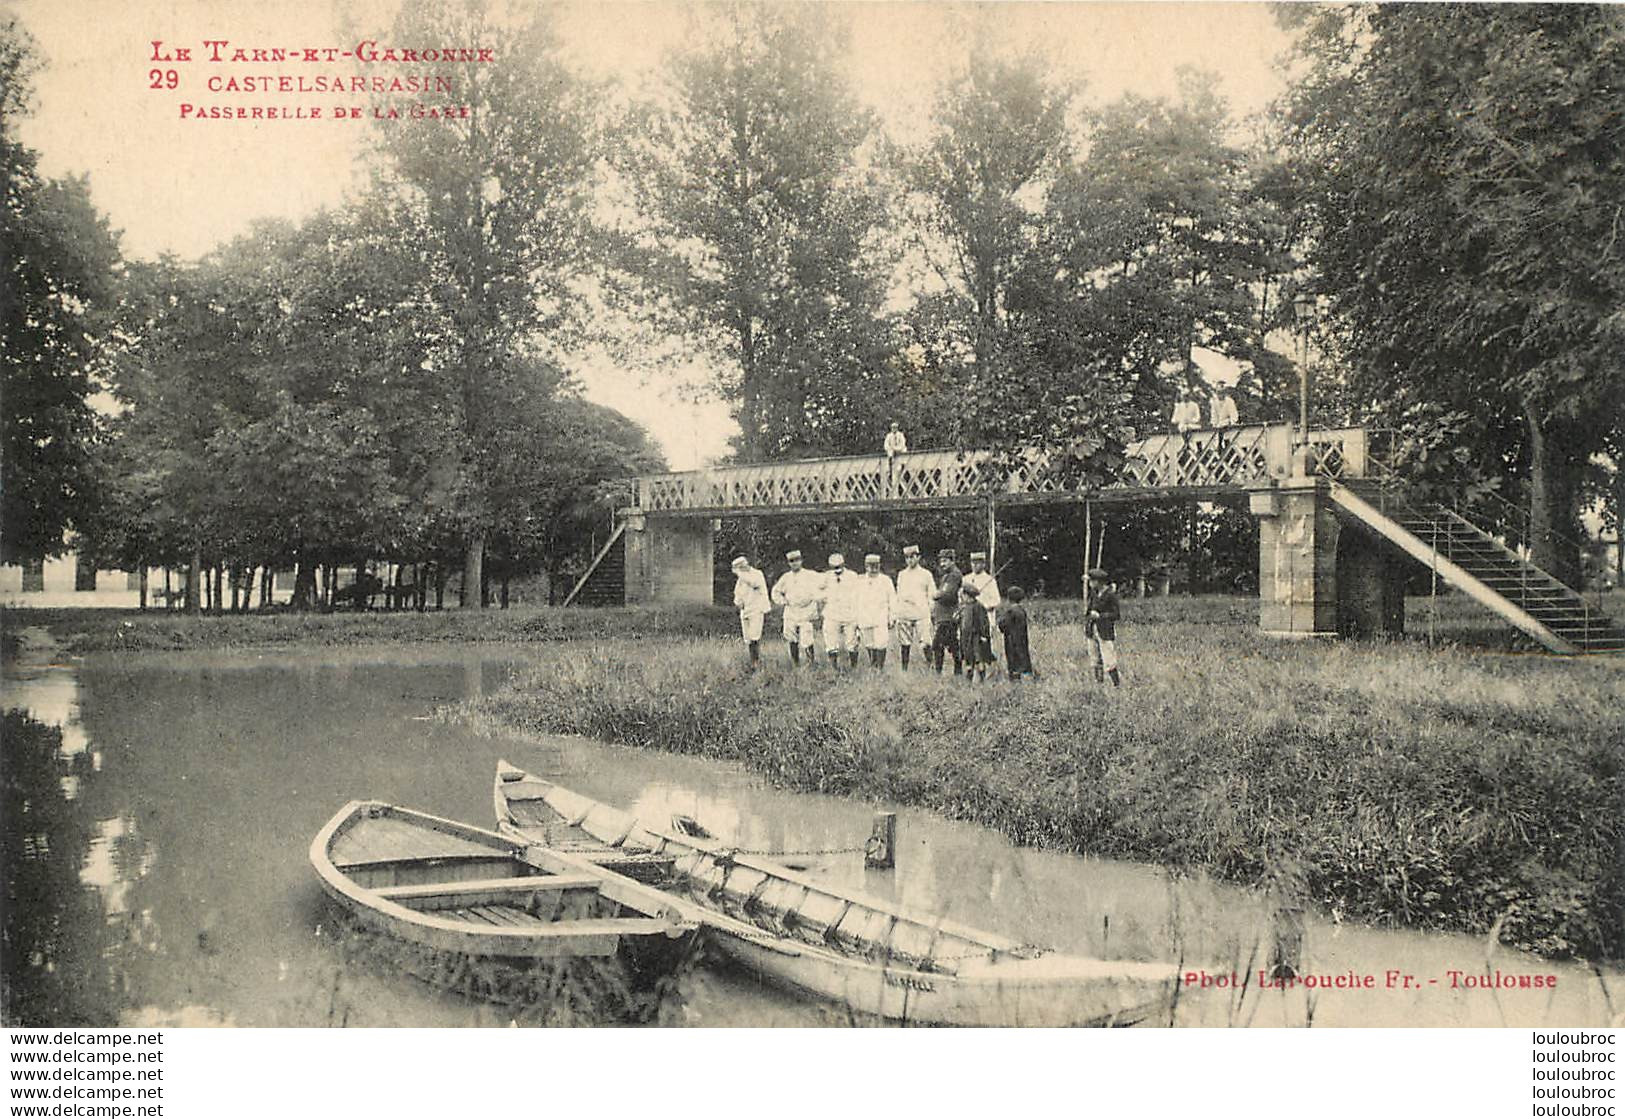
{"x": 60, "y": 261}
{"x": 762, "y": 227}
{"x": 1467, "y": 165}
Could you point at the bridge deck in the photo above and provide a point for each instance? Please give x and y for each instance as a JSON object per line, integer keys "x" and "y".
{"x": 1202, "y": 464}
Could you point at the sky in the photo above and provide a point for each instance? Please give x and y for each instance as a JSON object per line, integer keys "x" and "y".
{"x": 183, "y": 186}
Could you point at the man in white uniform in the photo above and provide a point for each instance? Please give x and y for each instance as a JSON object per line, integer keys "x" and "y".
{"x": 915, "y": 588}
{"x": 797, "y": 591}
{"x": 1187, "y": 412}
{"x": 896, "y": 443}
{"x": 987, "y": 587}
{"x": 750, "y": 596}
{"x": 839, "y": 600}
{"x": 1223, "y": 408}
{"x": 876, "y": 602}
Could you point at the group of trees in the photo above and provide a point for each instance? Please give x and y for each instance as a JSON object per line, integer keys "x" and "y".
{"x": 1439, "y": 190}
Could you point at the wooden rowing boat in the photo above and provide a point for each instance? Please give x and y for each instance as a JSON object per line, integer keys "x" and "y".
{"x": 471, "y": 892}
{"x": 863, "y": 953}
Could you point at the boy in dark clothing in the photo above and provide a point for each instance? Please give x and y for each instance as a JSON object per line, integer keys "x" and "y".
{"x": 1101, "y": 629}
{"x": 945, "y": 611}
{"x": 1013, "y": 624}
{"x": 975, "y": 638}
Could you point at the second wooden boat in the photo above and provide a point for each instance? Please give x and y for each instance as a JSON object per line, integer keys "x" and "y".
{"x": 865, "y": 954}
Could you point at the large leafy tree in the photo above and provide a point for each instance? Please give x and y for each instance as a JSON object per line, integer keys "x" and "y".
{"x": 499, "y": 204}
{"x": 762, "y": 226}
{"x": 554, "y": 492}
{"x": 1468, "y": 167}
{"x": 978, "y": 188}
{"x": 1158, "y": 243}
{"x": 59, "y": 260}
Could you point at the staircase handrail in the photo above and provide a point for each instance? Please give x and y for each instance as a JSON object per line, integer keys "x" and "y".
{"x": 1389, "y": 480}
{"x": 1513, "y": 514}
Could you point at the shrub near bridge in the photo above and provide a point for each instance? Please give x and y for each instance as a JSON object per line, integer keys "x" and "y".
{"x": 1437, "y": 789}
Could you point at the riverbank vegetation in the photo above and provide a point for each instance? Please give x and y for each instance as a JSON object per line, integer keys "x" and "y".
{"x": 1441, "y": 788}
{"x": 1450, "y": 621}
{"x": 93, "y": 631}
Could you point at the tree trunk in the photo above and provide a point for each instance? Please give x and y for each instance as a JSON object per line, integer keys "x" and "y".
{"x": 504, "y": 592}
{"x": 440, "y": 576}
{"x": 1554, "y": 490}
{"x": 169, "y": 590}
{"x": 304, "y": 584}
{"x": 1619, "y": 523}
{"x": 143, "y": 585}
{"x": 473, "y": 572}
{"x": 193, "y": 574}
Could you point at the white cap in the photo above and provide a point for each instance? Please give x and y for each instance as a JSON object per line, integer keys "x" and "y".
{"x": 837, "y": 560}
{"x": 740, "y": 561}
{"x": 871, "y": 558}
{"x": 793, "y": 554}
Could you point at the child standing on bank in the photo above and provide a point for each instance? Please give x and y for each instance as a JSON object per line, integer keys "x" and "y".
{"x": 1100, "y": 631}
{"x": 1018, "y": 657}
{"x": 975, "y": 636}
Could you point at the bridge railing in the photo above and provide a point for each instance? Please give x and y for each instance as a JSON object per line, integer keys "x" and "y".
{"x": 1205, "y": 459}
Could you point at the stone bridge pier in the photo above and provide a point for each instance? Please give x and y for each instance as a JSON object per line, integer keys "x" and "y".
{"x": 669, "y": 559}
{"x": 1317, "y": 575}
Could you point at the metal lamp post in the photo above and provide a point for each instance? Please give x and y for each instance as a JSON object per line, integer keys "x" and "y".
{"x": 1302, "y": 305}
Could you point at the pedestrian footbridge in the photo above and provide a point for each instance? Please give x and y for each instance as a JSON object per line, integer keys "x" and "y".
{"x": 1197, "y": 464}
{"x": 1337, "y": 529}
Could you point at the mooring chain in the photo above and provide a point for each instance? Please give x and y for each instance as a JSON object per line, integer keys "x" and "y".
{"x": 813, "y": 851}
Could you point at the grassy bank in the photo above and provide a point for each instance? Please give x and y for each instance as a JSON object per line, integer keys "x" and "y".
{"x": 90, "y": 631}
{"x": 1433, "y": 788}
{"x": 1452, "y": 621}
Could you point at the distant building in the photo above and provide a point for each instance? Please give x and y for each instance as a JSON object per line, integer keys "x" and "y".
{"x": 65, "y": 581}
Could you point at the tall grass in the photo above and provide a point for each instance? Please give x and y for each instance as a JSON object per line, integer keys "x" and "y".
{"x": 1432, "y": 788}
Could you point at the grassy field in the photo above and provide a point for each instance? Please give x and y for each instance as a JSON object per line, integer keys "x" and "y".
{"x": 1451, "y": 621}
{"x": 90, "y": 631}
{"x": 1432, "y": 787}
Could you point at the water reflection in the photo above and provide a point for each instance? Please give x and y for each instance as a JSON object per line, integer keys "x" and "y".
{"x": 66, "y": 927}
{"x": 158, "y": 813}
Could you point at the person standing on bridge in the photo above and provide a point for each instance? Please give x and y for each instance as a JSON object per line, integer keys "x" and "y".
{"x": 945, "y": 610}
{"x": 750, "y": 597}
{"x": 1187, "y": 412}
{"x": 915, "y": 590}
{"x": 876, "y": 609}
{"x": 797, "y": 591}
{"x": 1100, "y": 630}
{"x": 895, "y": 444}
{"x": 1222, "y": 409}
{"x": 838, "y": 596}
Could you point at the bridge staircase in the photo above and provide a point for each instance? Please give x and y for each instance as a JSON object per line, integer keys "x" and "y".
{"x": 604, "y": 582}
{"x": 1479, "y": 564}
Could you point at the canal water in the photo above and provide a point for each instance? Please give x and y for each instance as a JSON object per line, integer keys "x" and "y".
{"x": 164, "y": 878}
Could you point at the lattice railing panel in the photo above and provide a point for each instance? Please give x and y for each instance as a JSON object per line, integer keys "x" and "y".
{"x": 1206, "y": 459}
